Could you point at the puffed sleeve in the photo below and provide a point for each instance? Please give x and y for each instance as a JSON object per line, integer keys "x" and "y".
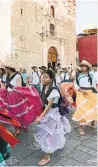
{"x": 54, "y": 94}
{"x": 76, "y": 85}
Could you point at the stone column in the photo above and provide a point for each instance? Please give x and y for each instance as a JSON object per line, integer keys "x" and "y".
{"x": 45, "y": 54}
{"x": 62, "y": 54}
{"x": 41, "y": 53}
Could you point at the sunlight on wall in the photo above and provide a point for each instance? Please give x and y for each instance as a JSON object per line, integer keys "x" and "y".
{"x": 5, "y": 29}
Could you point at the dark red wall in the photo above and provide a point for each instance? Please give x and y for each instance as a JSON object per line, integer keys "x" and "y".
{"x": 87, "y": 47}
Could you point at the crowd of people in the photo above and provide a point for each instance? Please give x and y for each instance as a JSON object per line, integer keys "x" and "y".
{"x": 46, "y": 96}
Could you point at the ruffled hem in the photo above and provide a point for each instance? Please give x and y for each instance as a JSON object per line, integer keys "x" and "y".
{"x": 61, "y": 122}
{"x": 50, "y": 149}
{"x": 50, "y": 134}
{"x": 83, "y": 123}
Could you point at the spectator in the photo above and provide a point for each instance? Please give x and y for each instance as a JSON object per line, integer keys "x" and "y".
{"x": 35, "y": 78}
{"x": 24, "y": 76}
{"x": 63, "y": 74}
{"x": 42, "y": 71}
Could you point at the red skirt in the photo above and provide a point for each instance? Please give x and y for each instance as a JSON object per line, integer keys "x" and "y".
{"x": 24, "y": 104}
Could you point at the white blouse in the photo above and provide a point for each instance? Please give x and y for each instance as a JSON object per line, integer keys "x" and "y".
{"x": 35, "y": 78}
{"x": 58, "y": 79}
{"x": 14, "y": 82}
{"x": 84, "y": 81}
{"x": 67, "y": 76}
{"x": 54, "y": 94}
{"x": 96, "y": 77}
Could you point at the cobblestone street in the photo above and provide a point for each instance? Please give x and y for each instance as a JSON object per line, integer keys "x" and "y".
{"x": 78, "y": 151}
{"x": 48, "y": 66}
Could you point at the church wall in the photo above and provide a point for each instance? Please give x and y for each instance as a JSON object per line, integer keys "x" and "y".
{"x": 31, "y": 33}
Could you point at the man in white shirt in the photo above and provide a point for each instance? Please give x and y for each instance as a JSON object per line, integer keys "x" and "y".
{"x": 68, "y": 74}
{"x": 58, "y": 68}
{"x": 42, "y": 70}
{"x": 63, "y": 74}
{"x": 35, "y": 78}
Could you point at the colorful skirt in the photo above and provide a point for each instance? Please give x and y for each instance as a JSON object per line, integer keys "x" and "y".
{"x": 69, "y": 88}
{"x": 87, "y": 108}
{"x": 24, "y": 104}
{"x": 4, "y": 151}
{"x": 6, "y": 137}
{"x": 50, "y": 133}
{"x": 2, "y": 161}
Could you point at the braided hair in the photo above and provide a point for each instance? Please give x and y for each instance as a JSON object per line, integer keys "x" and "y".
{"x": 89, "y": 78}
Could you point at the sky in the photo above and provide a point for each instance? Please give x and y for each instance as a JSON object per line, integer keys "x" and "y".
{"x": 86, "y": 11}
{"x": 87, "y": 14}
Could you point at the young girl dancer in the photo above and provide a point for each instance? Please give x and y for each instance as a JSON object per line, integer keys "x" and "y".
{"x": 52, "y": 128}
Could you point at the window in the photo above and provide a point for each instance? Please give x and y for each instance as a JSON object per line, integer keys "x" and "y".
{"x": 21, "y": 11}
{"x": 52, "y": 13}
{"x": 52, "y": 29}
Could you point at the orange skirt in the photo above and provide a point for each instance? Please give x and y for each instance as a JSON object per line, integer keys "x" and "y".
{"x": 87, "y": 108}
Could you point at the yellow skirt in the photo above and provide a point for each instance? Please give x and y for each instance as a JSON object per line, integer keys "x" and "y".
{"x": 87, "y": 108}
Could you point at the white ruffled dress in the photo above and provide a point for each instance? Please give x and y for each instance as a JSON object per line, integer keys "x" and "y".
{"x": 50, "y": 133}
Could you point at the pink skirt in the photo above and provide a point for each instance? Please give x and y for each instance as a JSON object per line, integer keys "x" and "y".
{"x": 24, "y": 104}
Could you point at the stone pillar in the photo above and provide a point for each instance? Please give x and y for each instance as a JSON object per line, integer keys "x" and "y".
{"x": 44, "y": 53}
{"x": 62, "y": 54}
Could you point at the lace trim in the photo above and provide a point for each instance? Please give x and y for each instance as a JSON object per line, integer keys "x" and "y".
{"x": 5, "y": 122}
{"x": 25, "y": 112}
{"x": 51, "y": 149}
{"x": 86, "y": 114}
{"x": 15, "y": 105}
{"x": 32, "y": 92}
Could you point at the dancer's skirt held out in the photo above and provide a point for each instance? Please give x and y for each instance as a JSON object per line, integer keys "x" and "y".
{"x": 69, "y": 88}
{"x": 50, "y": 133}
{"x": 24, "y": 104}
{"x": 6, "y": 137}
{"x": 87, "y": 108}
{"x": 5, "y": 153}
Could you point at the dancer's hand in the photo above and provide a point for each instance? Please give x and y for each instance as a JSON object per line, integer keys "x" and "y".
{"x": 84, "y": 92}
{"x": 38, "y": 119}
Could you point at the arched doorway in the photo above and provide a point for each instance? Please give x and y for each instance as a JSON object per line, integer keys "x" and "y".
{"x": 52, "y": 56}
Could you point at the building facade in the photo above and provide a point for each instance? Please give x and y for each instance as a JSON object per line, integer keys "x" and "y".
{"x": 87, "y": 45}
{"x": 5, "y": 30}
{"x": 43, "y": 31}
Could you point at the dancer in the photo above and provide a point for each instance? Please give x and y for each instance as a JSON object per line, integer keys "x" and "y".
{"x": 24, "y": 104}
{"x": 86, "y": 100}
{"x": 52, "y": 128}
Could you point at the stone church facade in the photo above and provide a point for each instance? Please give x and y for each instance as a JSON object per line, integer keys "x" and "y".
{"x": 43, "y": 31}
